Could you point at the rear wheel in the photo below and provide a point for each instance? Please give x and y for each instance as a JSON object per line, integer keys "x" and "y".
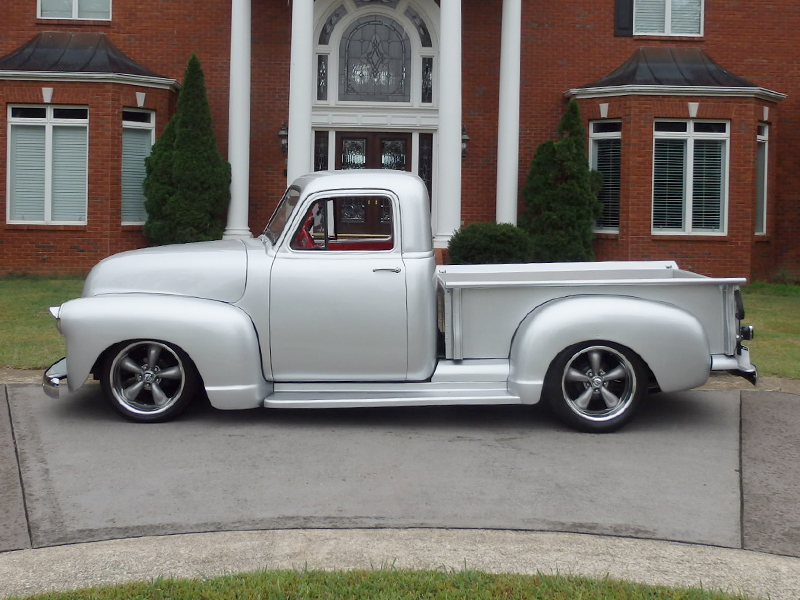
{"x": 148, "y": 381}
{"x": 596, "y": 386}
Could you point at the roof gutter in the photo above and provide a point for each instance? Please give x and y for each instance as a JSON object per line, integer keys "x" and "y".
{"x": 163, "y": 83}
{"x": 675, "y": 90}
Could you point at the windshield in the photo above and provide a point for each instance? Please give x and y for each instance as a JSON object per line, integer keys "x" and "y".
{"x": 281, "y": 215}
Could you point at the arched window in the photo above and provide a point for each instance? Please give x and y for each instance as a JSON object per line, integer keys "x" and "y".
{"x": 375, "y": 61}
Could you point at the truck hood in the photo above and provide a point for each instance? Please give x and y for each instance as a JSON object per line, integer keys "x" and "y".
{"x": 213, "y": 270}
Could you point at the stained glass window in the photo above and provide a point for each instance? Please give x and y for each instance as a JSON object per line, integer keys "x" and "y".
{"x": 374, "y": 61}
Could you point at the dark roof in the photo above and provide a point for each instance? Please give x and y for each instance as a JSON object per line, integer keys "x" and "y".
{"x": 680, "y": 67}
{"x": 62, "y": 52}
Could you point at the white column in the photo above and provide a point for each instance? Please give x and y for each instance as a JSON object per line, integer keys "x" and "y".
{"x": 239, "y": 121}
{"x": 508, "y": 118}
{"x": 301, "y": 90}
{"x": 448, "y": 192}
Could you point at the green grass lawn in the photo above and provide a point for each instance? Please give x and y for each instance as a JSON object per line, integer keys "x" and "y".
{"x": 388, "y": 584}
{"x": 29, "y": 340}
{"x": 28, "y": 335}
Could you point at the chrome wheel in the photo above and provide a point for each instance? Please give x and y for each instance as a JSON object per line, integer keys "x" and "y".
{"x": 148, "y": 380}
{"x": 596, "y": 386}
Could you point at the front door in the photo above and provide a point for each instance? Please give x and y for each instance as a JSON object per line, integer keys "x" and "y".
{"x": 373, "y": 150}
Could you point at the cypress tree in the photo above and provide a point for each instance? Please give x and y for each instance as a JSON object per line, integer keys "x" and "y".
{"x": 561, "y": 195}
{"x": 187, "y": 184}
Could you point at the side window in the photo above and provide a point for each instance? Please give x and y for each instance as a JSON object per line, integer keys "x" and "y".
{"x": 347, "y": 223}
{"x": 138, "y": 133}
{"x": 604, "y": 156}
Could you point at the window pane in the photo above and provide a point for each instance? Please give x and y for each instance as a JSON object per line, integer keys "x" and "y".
{"x": 354, "y": 154}
{"x": 70, "y": 113}
{"x": 374, "y": 61}
{"x": 668, "y": 184}
{"x": 26, "y": 172}
{"x": 606, "y": 127}
{"x": 69, "y": 174}
{"x": 649, "y": 16}
{"x": 686, "y": 17}
{"x": 94, "y": 9}
{"x": 607, "y": 162}
{"x": 761, "y": 188}
{"x": 425, "y": 164}
{"x": 671, "y": 126}
{"x": 322, "y": 77}
{"x": 427, "y": 80}
{"x": 321, "y": 151}
{"x": 136, "y": 145}
{"x": 711, "y": 127}
{"x": 393, "y": 154}
{"x": 20, "y": 112}
{"x": 134, "y": 116}
{"x": 707, "y": 185}
{"x": 57, "y": 9}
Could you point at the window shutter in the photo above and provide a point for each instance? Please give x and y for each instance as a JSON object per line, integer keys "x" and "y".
{"x": 136, "y": 145}
{"x": 668, "y": 184}
{"x": 26, "y": 169}
{"x": 608, "y": 163}
{"x": 69, "y": 174}
{"x": 685, "y": 17}
{"x": 623, "y": 18}
{"x": 650, "y": 16}
{"x": 707, "y": 185}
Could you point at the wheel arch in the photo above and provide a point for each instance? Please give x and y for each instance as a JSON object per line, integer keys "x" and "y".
{"x": 671, "y": 342}
{"x": 219, "y": 338}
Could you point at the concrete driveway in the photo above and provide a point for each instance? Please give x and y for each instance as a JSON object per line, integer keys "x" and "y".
{"x": 719, "y": 468}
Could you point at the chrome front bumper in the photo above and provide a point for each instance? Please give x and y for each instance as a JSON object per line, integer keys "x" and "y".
{"x": 53, "y": 376}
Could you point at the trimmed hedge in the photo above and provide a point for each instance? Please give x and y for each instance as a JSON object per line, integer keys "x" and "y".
{"x": 482, "y": 243}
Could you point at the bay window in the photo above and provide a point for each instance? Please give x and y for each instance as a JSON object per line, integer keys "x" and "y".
{"x": 47, "y": 164}
{"x": 690, "y": 178}
{"x": 138, "y": 133}
{"x": 604, "y": 156}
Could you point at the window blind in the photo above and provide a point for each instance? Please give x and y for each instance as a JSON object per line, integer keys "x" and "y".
{"x": 26, "y": 173}
{"x": 668, "y": 184}
{"x": 685, "y": 17}
{"x": 649, "y": 16}
{"x": 57, "y": 9}
{"x": 69, "y": 174}
{"x": 607, "y": 162}
{"x": 707, "y": 185}
{"x": 94, "y": 9}
{"x": 136, "y": 145}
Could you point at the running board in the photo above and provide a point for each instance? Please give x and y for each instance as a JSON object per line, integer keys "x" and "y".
{"x": 374, "y": 395}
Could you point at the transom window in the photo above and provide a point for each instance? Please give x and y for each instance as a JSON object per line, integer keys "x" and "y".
{"x": 668, "y": 17}
{"x": 138, "y": 134}
{"x": 47, "y": 164}
{"x": 98, "y": 10}
{"x": 604, "y": 156}
{"x": 690, "y": 176}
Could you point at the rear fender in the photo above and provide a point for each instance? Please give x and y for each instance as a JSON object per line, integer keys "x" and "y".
{"x": 218, "y": 337}
{"x": 672, "y": 342}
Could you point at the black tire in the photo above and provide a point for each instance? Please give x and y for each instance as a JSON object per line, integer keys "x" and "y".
{"x": 148, "y": 381}
{"x": 596, "y": 386}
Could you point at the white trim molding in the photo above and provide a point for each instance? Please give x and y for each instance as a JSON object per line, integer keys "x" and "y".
{"x": 162, "y": 83}
{"x": 675, "y": 90}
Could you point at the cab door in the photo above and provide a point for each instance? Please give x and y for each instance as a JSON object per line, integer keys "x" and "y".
{"x": 338, "y": 294}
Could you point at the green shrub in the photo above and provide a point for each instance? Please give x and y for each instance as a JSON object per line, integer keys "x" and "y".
{"x": 187, "y": 187}
{"x": 482, "y": 243}
{"x": 561, "y": 195}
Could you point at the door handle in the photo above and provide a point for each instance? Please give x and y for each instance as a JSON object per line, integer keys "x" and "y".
{"x": 390, "y": 269}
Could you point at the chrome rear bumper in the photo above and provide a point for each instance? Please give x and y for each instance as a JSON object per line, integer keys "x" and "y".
{"x": 53, "y": 376}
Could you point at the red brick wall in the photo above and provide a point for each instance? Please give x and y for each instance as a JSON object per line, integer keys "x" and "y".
{"x": 565, "y": 45}
{"x": 76, "y": 248}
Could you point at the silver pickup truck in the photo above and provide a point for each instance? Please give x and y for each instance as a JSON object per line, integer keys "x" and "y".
{"x": 340, "y": 303}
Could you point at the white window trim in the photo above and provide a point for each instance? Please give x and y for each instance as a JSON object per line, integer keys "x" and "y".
{"x": 594, "y": 137}
{"x": 763, "y": 138}
{"x": 48, "y": 122}
{"x": 74, "y": 16}
{"x": 690, "y": 136}
{"x": 138, "y": 125}
{"x": 668, "y": 22}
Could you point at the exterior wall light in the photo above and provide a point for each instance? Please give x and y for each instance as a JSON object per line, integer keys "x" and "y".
{"x": 464, "y": 141}
{"x": 283, "y": 136}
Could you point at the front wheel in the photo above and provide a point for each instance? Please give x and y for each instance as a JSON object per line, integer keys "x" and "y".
{"x": 148, "y": 381}
{"x": 596, "y": 386}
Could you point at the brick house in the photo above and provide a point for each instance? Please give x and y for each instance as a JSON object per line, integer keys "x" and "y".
{"x": 692, "y": 114}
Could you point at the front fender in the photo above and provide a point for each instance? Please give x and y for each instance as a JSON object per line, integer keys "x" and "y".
{"x": 671, "y": 341}
{"x": 218, "y": 337}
